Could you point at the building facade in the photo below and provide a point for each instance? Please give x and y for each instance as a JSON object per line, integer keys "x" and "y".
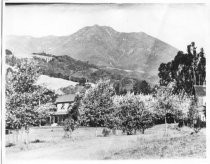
{"x": 64, "y": 104}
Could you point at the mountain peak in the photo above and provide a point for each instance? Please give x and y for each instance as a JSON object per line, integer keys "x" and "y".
{"x": 96, "y": 29}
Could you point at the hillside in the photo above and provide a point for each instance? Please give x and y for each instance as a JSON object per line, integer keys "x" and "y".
{"x": 70, "y": 69}
{"x": 137, "y": 53}
{"x": 54, "y": 84}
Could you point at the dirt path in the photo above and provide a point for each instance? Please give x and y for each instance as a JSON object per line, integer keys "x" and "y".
{"x": 88, "y": 149}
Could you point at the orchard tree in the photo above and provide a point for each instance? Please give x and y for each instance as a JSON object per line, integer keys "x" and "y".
{"x": 96, "y": 104}
{"x": 164, "y": 103}
{"x": 43, "y": 111}
{"x": 132, "y": 113}
{"x": 181, "y": 104}
{"x": 23, "y": 97}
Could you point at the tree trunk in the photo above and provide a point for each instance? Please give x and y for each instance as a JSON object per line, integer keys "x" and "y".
{"x": 174, "y": 120}
{"x": 96, "y": 132}
{"x": 17, "y": 136}
{"x": 166, "y": 126}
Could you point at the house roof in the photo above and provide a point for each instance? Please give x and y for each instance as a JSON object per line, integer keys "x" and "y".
{"x": 65, "y": 98}
{"x": 200, "y": 90}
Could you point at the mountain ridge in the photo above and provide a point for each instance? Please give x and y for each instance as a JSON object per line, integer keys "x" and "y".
{"x": 102, "y": 46}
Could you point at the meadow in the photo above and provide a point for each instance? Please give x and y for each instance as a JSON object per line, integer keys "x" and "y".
{"x": 48, "y": 143}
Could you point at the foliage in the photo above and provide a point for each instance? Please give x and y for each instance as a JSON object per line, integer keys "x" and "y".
{"x": 106, "y": 132}
{"x": 164, "y": 103}
{"x": 171, "y": 106}
{"x": 141, "y": 87}
{"x": 11, "y": 59}
{"x": 96, "y": 104}
{"x": 70, "y": 124}
{"x": 68, "y": 90}
{"x": 23, "y": 97}
{"x": 185, "y": 70}
{"x": 132, "y": 113}
{"x": 43, "y": 111}
{"x": 193, "y": 112}
{"x": 181, "y": 104}
{"x": 124, "y": 85}
{"x": 74, "y": 112}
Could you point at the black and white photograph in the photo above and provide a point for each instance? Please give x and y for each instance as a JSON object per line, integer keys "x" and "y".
{"x": 103, "y": 81}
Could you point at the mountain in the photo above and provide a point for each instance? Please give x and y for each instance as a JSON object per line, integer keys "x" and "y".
{"x": 138, "y": 54}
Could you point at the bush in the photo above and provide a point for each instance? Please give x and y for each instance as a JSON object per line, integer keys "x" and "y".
{"x": 69, "y": 126}
{"x": 106, "y": 132}
{"x": 10, "y": 144}
{"x": 37, "y": 141}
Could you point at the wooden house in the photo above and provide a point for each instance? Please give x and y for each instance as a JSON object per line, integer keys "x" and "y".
{"x": 64, "y": 104}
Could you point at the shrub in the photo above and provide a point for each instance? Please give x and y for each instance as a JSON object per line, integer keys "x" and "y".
{"x": 10, "y": 144}
{"x": 37, "y": 141}
{"x": 106, "y": 132}
{"x": 69, "y": 126}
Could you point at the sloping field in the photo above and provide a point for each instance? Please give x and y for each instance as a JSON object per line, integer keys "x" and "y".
{"x": 85, "y": 145}
{"x": 53, "y": 83}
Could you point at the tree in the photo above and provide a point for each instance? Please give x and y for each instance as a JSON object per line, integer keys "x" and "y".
{"x": 141, "y": 87}
{"x": 23, "y": 97}
{"x": 132, "y": 113}
{"x": 186, "y": 70}
{"x": 43, "y": 111}
{"x": 181, "y": 104}
{"x": 96, "y": 104}
{"x": 164, "y": 103}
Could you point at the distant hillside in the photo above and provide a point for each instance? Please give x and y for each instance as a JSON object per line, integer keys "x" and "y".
{"x": 63, "y": 73}
{"x": 55, "y": 84}
{"x": 138, "y": 54}
{"x": 68, "y": 68}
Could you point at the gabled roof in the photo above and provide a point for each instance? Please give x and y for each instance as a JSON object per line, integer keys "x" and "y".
{"x": 200, "y": 90}
{"x": 65, "y": 98}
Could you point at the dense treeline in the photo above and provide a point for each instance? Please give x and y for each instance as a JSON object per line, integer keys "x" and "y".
{"x": 185, "y": 70}
{"x": 101, "y": 107}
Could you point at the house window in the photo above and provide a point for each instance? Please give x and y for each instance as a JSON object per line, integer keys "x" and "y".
{"x": 69, "y": 106}
{"x": 62, "y": 107}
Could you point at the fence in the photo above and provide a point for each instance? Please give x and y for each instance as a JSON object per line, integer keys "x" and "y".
{"x": 17, "y": 137}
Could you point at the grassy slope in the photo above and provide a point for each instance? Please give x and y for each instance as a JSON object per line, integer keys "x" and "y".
{"x": 177, "y": 144}
{"x": 152, "y": 144}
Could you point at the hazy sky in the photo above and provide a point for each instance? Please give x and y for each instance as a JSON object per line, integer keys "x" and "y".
{"x": 176, "y": 24}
